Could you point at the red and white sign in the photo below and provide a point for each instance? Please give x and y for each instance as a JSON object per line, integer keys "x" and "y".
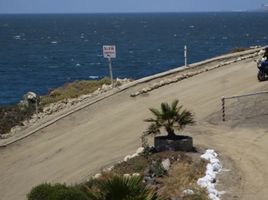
{"x": 109, "y": 51}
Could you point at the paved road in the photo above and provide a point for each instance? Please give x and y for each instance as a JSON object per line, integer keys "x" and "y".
{"x": 78, "y": 145}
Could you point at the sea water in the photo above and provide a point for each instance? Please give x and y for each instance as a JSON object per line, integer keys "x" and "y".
{"x": 41, "y": 52}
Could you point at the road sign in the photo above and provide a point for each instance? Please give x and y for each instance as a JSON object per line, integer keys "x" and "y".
{"x": 109, "y": 51}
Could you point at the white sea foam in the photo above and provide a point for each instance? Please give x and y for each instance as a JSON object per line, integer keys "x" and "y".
{"x": 17, "y": 37}
{"x": 93, "y": 77}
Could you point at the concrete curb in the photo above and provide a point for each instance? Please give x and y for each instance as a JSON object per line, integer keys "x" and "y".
{"x": 127, "y": 86}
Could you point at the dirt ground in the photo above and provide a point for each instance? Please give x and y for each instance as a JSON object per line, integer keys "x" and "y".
{"x": 80, "y": 144}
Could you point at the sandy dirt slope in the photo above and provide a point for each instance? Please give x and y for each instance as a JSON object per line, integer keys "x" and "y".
{"x": 78, "y": 145}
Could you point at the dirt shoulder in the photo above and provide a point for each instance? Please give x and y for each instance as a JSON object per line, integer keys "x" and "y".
{"x": 79, "y": 144}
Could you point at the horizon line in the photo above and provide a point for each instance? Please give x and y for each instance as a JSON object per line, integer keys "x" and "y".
{"x": 141, "y": 12}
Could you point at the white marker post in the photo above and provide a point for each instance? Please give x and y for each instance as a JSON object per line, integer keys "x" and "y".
{"x": 109, "y": 51}
{"x": 185, "y": 56}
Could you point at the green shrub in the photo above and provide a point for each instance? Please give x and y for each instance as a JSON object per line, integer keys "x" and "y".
{"x": 73, "y": 90}
{"x": 41, "y": 192}
{"x": 56, "y": 192}
{"x": 120, "y": 188}
{"x": 11, "y": 116}
{"x": 14, "y": 115}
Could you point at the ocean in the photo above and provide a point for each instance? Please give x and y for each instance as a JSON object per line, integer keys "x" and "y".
{"x": 41, "y": 52}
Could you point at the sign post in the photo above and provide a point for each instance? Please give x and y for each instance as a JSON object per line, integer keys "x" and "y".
{"x": 111, "y": 71}
{"x": 185, "y": 56}
{"x": 109, "y": 52}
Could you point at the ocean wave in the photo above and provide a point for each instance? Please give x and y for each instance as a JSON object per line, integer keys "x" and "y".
{"x": 17, "y": 37}
{"x": 93, "y": 77}
{"x": 98, "y": 63}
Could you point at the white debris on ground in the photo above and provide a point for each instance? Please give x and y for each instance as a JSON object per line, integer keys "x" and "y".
{"x": 213, "y": 167}
{"x": 139, "y": 151}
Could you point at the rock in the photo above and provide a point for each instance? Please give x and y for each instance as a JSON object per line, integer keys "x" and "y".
{"x": 140, "y": 150}
{"x": 110, "y": 168}
{"x": 126, "y": 175}
{"x": 155, "y": 85}
{"x": 106, "y": 87}
{"x": 202, "y": 182}
{"x": 97, "y": 176}
{"x": 188, "y": 192}
{"x": 4, "y": 136}
{"x": 31, "y": 121}
{"x": 137, "y": 93}
{"x": 261, "y": 52}
{"x": 168, "y": 81}
{"x": 127, "y": 158}
{"x": 166, "y": 164}
{"x": 31, "y": 96}
{"x": 174, "y": 80}
{"x": 15, "y": 129}
{"x": 122, "y": 81}
{"x": 213, "y": 197}
{"x": 162, "y": 83}
{"x": 135, "y": 174}
{"x": 144, "y": 90}
{"x": 149, "y": 180}
{"x": 96, "y": 92}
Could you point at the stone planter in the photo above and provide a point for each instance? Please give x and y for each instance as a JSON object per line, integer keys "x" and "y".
{"x": 178, "y": 143}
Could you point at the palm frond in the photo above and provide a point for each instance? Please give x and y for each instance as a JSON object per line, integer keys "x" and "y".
{"x": 174, "y": 105}
{"x": 153, "y": 129}
{"x": 124, "y": 188}
{"x": 185, "y": 118}
{"x": 157, "y": 113}
{"x": 150, "y": 120}
{"x": 165, "y": 108}
{"x": 170, "y": 117}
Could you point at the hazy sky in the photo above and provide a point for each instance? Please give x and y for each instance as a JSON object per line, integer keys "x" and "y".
{"x": 93, "y": 6}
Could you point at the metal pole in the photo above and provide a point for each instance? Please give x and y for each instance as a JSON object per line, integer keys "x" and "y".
{"x": 111, "y": 71}
{"x": 185, "y": 55}
{"x": 223, "y": 108}
{"x": 36, "y": 107}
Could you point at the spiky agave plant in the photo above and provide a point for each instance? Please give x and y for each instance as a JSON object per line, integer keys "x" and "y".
{"x": 121, "y": 188}
{"x": 170, "y": 117}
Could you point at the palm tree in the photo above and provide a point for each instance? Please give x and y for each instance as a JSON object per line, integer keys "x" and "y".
{"x": 170, "y": 117}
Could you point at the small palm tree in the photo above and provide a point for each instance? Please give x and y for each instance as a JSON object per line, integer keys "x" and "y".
{"x": 170, "y": 117}
{"x": 121, "y": 188}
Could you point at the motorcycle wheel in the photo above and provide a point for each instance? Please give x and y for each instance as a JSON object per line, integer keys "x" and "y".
{"x": 261, "y": 76}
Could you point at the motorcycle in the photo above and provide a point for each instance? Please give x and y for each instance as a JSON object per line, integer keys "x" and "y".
{"x": 262, "y": 65}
